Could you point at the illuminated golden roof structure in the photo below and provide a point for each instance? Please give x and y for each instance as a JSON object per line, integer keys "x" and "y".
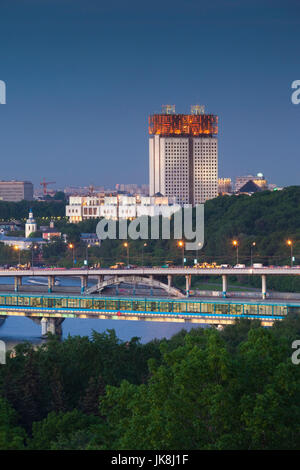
{"x": 183, "y": 124}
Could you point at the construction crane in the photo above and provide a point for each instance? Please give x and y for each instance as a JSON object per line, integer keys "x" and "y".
{"x": 45, "y": 184}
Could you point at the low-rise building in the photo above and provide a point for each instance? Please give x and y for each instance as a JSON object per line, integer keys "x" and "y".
{"x": 11, "y": 226}
{"x": 90, "y": 239}
{"x": 50, "y": 232}
{"x": 120, "y": 206}
{"x": 21, "y": 243}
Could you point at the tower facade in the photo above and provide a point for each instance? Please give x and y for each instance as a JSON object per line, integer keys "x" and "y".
{"x": 31, "y": 225}
{"x": 183, "y": 155}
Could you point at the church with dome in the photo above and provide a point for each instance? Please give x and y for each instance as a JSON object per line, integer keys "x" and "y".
{"x": 31, "y": 225}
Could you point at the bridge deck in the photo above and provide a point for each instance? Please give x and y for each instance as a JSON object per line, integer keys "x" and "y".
{"x": 150, "y": 271}
{"x": 154, "y": 309}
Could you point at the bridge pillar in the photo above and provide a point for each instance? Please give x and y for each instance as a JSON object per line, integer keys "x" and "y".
{"x": 2, "y": 319}
{"x": 44, "y": 326}
{"x": 84, "y": 283}
{"x": 188, "y": 278}
{"x": 51, "y": 283}
{"x": 18, "y": 282}
{"x": 263, "y": 286}
{"x": 224, "y": 284}
{"x": 51, "y": 325}
{"x": 151, "y": 281}
{"x": 169, "y": 281}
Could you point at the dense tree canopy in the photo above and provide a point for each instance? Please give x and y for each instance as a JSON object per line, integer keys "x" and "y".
{"x": 206, "y": 389}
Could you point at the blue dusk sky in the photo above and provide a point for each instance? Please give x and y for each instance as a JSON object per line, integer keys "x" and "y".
{"x": 82, "y": 77}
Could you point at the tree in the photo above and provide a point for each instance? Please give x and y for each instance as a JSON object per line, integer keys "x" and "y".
{"x": 61, "y": 427}
{"x": 12, "y": 437}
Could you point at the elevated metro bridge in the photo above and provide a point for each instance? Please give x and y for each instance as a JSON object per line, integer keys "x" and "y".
{"x": 50, "y": 310}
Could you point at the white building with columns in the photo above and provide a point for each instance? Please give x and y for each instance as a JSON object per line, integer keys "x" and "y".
{"x": 120, "y": 206}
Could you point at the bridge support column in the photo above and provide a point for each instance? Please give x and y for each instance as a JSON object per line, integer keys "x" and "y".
{"x": 51, "y": 325}
{"x": 51, "y": 283}
{"x": 188, "y": 278}
{"x": 117, "y": 284}
{"x": 2, "y": 319}
{"x": 84, "y": 283}
{"x": 18, "y": 282}
{"x": 263, "y": 286}
{"x": 151, "y": 287}
{"x": 224, "y": 285}
{"x": 44, "y": 326}
{"x": 169, "y": 281}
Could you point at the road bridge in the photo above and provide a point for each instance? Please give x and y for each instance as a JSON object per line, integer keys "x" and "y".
{"x": 148, "y": 276}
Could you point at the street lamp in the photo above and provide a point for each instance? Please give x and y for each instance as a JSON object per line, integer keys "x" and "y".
{"x": 87, "y": 254}
{"x": 181, "y": 245}
{"x": 17, "y": 248}
{"x": 197, "y": 251}
{"x": 235, "y": 243}
{"x": 126, "y": 245}
{"x": 290, "y": 244}
{"x": 143, "y": 246}
{"x": 253, "y": 244}
{"x": 33, "y": 247}
{"x": 71, "y": 246}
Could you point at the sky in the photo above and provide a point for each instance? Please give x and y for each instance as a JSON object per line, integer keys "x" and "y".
{"x": 82, "y": 77}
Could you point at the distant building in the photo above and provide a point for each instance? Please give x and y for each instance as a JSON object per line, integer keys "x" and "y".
{"x": 224, "y": 186}
{"x": 274, "y": 187}
{"x": 21, "y": 242}
{"x": 250, "y": 188}
{"x": 12, "y": 226}
{"x": 90, "y": 239}
{"x": 259, "y": 180}
{"x": 50, "y": 232}
{"x": 183, "y": 155}
{"x": 133, "y": 189}
{"x": 15, "y": 191}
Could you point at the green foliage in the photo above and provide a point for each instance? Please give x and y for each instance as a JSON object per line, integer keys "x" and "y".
{"x": 234, "y": 389}
{"x": 71, "y": 430}
{"x": 12, "y": 437}
{"x": 60, "y": 376}
{"x": 19, "y": 210}
{"x": 237, "y": 389}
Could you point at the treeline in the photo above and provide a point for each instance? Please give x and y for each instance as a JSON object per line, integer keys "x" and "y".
{"x": 206, "y": 389}
{"x": 266, "y": 218}
{"x": 41, "y": 209}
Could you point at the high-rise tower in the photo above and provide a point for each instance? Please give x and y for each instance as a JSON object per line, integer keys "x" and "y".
{"x": 183, "y": 155}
